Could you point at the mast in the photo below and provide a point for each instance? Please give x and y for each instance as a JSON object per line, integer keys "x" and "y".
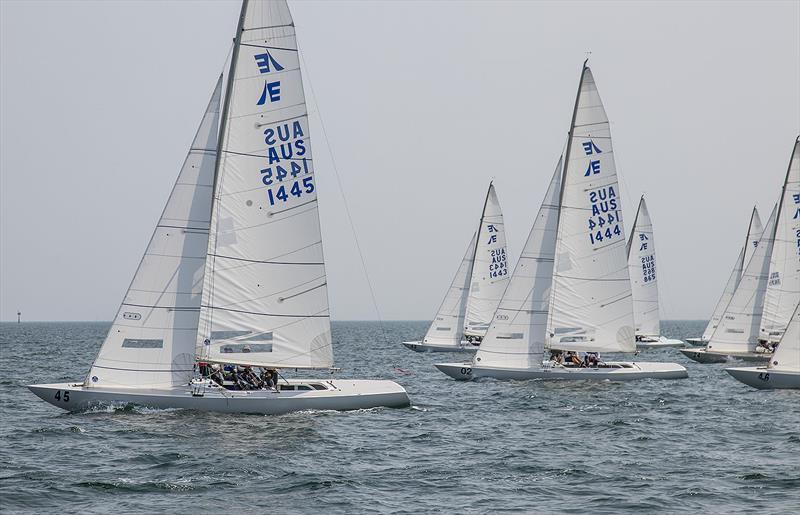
{"x": 635, "y": 221}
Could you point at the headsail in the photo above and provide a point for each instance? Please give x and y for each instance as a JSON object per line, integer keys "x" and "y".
{"x": 739, "y": 326}
{"x": 490, "y": 268}
{"x": 783, "y": 286}
{"x": 265, "y": 298}
{"x": 516, "y": 336}
{"x": 754, "y": 230}
{"x": 448, "y": 326}
{"x": 151, "y": 343}
{"x": 787, "y": 355}
{"x": 642, "y": 266}
{"x": 590, "y": 307}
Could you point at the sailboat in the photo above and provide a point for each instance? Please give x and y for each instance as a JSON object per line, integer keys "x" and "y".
{"x": 762, "y": 305}
{"x": 234, "y": 274}
{"x": 783, "y": 369}
{"x": 754, "y": 230}
{"x": 570, "y": 290}
{"x": 644, "y": 283}
{"x": 474, "y": 294}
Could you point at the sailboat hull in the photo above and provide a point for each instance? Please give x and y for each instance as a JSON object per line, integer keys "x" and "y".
{"x": 706, "y": 356}
{"x": 766, "y": 378}
{"x": 336, "y": 395}
{"x": 660, "y": 343}
{"x": 431, "y": 347}
{"x": 613, "y": 371}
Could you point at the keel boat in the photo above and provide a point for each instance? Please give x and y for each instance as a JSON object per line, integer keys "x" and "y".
{"x": 234, "y": 273}
{"x": 570, "y": 290}
{"x": 474, "y": 294}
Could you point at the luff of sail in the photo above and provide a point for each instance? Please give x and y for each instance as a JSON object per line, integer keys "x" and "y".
{"x": 448, "y": 325}
{"x": 738, "y": 329}
{"x": 783, "y": 286}
{"x": 590, "y": 307}
{"x": 516, "y": 336}
{"x": 490, "y": 271}
{"x": 151, "y": 343}
{"x": 265, "y": 298}
{"x": 642, "y": 266}
{"x": 754, "y": 230}
{"x": 787, "y": 355}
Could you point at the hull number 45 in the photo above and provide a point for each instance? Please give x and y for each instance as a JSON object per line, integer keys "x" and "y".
{"x": 62, "y": 396}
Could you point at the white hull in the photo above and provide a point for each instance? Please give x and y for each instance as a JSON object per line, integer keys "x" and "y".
{"x": 696, "y": 342}
{"x": 337, "y": 395}
{"x": 660, "y": 343}
{"x": 432, "y": 347}
{"x": 766, "y": 378}
{"x": 613, "y": 371}
{"x": 706, "y": 356}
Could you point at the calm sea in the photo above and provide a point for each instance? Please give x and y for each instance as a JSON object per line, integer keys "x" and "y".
{"x": 707, "y": 443}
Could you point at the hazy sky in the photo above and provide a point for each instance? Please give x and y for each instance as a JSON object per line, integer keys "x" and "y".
{"x": 423, "y": 102}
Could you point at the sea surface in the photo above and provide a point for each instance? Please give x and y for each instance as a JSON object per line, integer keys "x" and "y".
{"x": 704, "y": 444}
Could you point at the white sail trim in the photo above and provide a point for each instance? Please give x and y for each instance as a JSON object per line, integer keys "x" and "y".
{"x": 644, "y": 280}
{"x": 787, "y": 356}
{"x": 517, "y": 334}
{"x": 151, "y": 343}
{"x": 265, "y": 300}
{"x": 739, "y": 327}
{"x": 490, "y": 271}
{"x": 448, "y": 325}
{"x": 591, "y": 307}
{"x": 783, "y": 286}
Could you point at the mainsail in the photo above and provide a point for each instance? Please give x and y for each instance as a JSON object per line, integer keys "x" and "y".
{"x": 642, "y": 266}
{"x": 516, "y": 336}
{"x": 489, "y": 269}
{"x": 783, "y": 286}
{"x": 265, "y": 296}
{"x": 590, "y": 307}
{"x": 754, "y": 230}
{"x": 151, "y": 343}
{"x": 738, "y": 329}
{"x": 787, "y": 355}
{"x": 448, "y": 326}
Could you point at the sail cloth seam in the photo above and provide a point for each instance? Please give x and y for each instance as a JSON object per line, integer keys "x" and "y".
{"x": 271, "y": 47}
{"x": 268, "y": 262}
{"x": 265, "y": 314}
{"x": 269, "y": 27}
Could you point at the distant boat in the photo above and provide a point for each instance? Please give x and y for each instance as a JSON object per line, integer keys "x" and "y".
{"x": 754, "y": 230}
{"x": 769, "y": 290}
{"x": 474, "y": 294}
{"x": 644, "y": 283}
{"x": 570, "y": 290}
{"x": 783, "y": 369}
{"x": 234, "y": 273}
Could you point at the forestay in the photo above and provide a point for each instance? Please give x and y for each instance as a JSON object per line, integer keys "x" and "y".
{"x": 516, "y": 336}
{"x": 591, "y": 307}
{"x": 754, "y": 230}
{"x": 265, "y": 297}
{"x": 448, "y": 326}
{"x": 644, "y": 281}
{"x": 738, "y": 329}
{"x": 783, "y": 286}
{"x": 151, "y": 343}
{"x": 490, "y": 268}
{"x": 788, "y": 354}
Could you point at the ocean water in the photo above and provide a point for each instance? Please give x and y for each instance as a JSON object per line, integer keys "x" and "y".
{"x": 707, "y": 443}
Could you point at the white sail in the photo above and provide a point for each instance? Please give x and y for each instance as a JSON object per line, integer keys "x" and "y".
{"x": 265, "y": 298}
{"x": 448, "y": 325}
{"x": 739, "y": 326}
{"x": 787, "y": 356}
{"x": 591, "y": 307}
{"x": 642, "y": 267}
{"x": 783, "y": 286}
{"x": 754, "y": 230}
{"x": 490, "y": 268}
{"x": 516, "y": 336}
{"x": 151, "y": 343}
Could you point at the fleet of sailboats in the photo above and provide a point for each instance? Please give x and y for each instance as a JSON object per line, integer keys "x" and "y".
{"x": 475, "y": 292}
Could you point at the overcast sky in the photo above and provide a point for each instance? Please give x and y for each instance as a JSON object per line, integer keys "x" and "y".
{"x": 424, "y": 103}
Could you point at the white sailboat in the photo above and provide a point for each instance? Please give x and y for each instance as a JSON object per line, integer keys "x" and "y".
{"x": 571, "y": 289}
{"x": 754, "y": 230}
{"x": 644, "y": 283}
{"x": 783, "y": 369}
{"x": 769, "y": 290}
{"x": 475, "y": 292}
{"x": 234, "y": 273}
